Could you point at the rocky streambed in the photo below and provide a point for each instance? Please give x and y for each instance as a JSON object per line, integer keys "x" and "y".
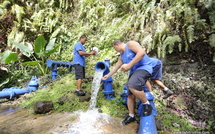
{"x": 20, "y": 121}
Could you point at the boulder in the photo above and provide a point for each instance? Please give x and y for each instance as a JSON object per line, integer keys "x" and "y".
{"x": 42, "y": 107}
{"x": 84, "y": 98}
{"x": 62, "y": 99}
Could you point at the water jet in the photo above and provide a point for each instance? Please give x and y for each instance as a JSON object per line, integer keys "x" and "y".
{"x": 107, "y": 84}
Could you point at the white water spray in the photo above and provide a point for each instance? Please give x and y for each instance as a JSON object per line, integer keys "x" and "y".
{"x": 92, "y": 119}
{"x": 95, "y": 88}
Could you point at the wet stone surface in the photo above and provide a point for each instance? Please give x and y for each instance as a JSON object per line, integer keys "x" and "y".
{"x": 20, "y": 121}
{"x": 16, "y": 121}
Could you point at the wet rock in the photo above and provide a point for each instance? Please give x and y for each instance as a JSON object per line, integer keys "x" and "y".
{"x": 62, "y": 99}
{"x": 100, "y": 111}
{"x": 65, "y": 98}
{"x": 84, "y": 98}
{"x": 42, "y": 107}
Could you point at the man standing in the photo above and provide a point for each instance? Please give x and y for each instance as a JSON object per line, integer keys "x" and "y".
{"x": 79, "y": 63}
{"x": 133, "y": 57}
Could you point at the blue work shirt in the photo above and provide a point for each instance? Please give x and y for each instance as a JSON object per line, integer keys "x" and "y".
{"x": 154, "y": 61}
{"x": 144, "y": 63}
{"x": 79, "y": 59}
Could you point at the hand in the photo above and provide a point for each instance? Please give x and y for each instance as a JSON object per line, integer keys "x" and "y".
{"x": 125, "y": 67}
{"x": 93, "y": 52}
{"x": 104, "y": 77}
{"x": 95, "y": 49}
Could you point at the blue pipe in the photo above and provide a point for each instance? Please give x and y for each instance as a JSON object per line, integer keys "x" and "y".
{"x": 150, "y": 98}
{"x": 147, "y": 123}
{"x": 56, "y": 64}
{"x": 124, "y": 94}
{"x": 9, "y": 93}
{"x": 104, "y": 67}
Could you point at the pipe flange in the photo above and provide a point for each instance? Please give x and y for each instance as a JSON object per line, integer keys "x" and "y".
{"x": 12, "y": 93}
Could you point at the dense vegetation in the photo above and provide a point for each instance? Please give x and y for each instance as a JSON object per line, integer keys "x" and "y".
{"x": 34, "y": 31}
{"x": 161, "y": 26}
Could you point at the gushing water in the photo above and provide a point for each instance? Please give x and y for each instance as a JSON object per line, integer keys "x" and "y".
{"x": 95, "y": 88}
{"x": 92, "y": 119}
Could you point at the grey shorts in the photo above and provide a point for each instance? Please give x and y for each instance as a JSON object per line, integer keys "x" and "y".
{"x": 137, "y": 80}
{"x": 79, "y": 71}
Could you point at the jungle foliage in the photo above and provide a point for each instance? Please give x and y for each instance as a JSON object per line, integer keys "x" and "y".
{"x": 158, "y": 25}
{"x": 162, "y": 26}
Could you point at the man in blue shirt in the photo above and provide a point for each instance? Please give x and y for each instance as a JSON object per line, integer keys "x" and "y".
{"x": 133, "y": 57}
{"x": 79, "y": 63}
{"x": 156, "y": 76}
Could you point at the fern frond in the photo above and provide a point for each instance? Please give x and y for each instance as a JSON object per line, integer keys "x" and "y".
{"x": 201, "y": 24}
{"x": 179, "y": 47}
{"x": 212, "y": 17}
{"x": 170, "y": 42}
{"x": 190, "y": 33}
{"x": 5, "y": 3}
{"x": 19, "y": 11}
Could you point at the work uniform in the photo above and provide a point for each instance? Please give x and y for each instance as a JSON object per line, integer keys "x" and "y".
{"x": 140, "y": 72}
{"x": 79, "y": 61}
{"x": 157, "y": 68}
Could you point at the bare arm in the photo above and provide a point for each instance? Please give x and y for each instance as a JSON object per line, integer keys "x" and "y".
{"x": 115, "y": 69}
{"x": 140, "y": 52}
{"x": 86, "y": 54}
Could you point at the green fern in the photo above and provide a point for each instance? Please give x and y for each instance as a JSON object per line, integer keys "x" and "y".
{"x": 212, "y": 17}
{"x": 170, "y": 42}
{"x": 3, "y": 6}
{"x": 148, "y": 22}
{"x": 19, "y": 11}
{"x": 190, "y": 33}
{"x": 15, "y": 35}
{"x": 201, "y": 24}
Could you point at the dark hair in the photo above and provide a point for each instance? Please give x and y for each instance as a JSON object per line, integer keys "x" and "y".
{"x": 83, "y": 36}
{"x": 117, "y": 41}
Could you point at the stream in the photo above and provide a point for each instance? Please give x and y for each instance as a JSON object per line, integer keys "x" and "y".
{"x": 16, "y": 121}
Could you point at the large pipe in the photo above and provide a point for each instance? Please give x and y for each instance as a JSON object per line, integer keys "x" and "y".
{"x": 104, "y": 67}
{"x": 147, "y": 124}
{"x": 56, "y": 64}
{"x": 124, "y": 94}
{"x": 150, "y": 98}
{"x": 9, "y": 93}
